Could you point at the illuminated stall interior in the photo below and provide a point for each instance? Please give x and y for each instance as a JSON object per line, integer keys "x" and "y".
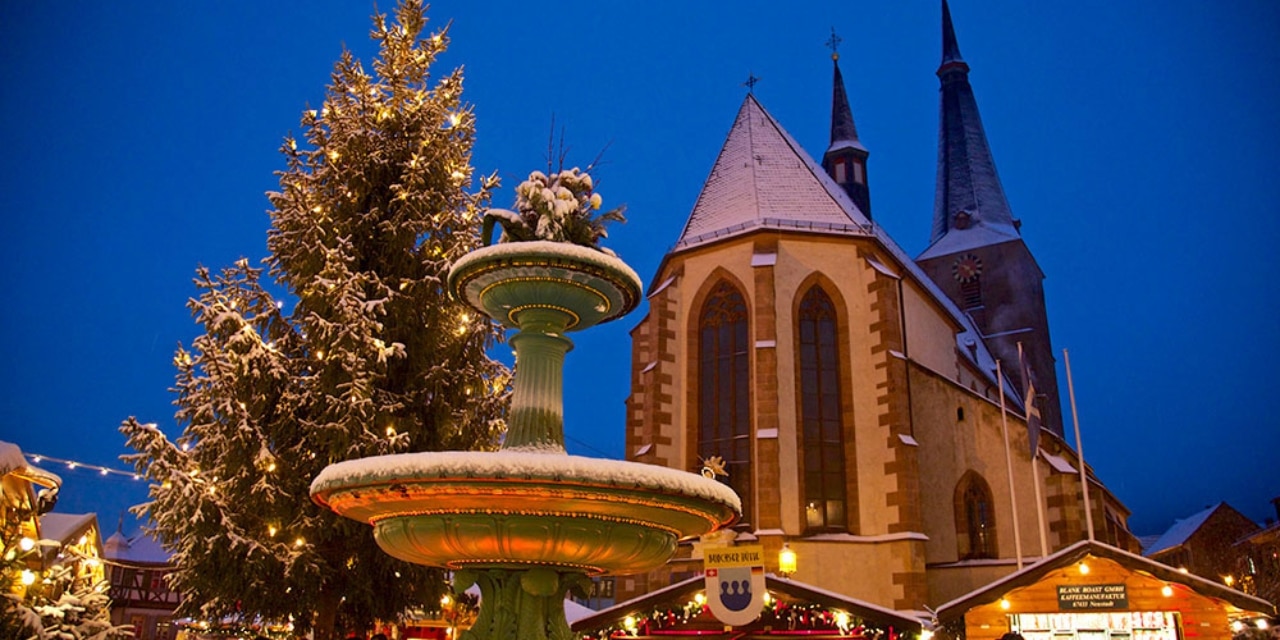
{"x": 1092, "y": 591}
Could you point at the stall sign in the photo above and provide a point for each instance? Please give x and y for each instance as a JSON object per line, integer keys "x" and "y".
{"x": 1092, "y": 597}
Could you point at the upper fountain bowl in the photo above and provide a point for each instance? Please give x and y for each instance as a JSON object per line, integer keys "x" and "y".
{"x": 579, "y": 286}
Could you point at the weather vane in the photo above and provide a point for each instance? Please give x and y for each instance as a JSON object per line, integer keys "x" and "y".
{"x": 750, "y": 84}
{"x": 834, "y": 44}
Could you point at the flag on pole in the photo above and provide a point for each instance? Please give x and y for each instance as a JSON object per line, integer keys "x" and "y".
{"x": 1028, "y": 402}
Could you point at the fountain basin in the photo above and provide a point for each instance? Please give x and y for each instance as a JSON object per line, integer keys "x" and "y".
{"x": 520, "y": 509}
{"x": 581, "y": 285}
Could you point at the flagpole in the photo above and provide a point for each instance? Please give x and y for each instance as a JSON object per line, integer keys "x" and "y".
{"x": 1008, "y": 466}
{"x": 1075, "y": 418}
{"x": 1035, "y": 482}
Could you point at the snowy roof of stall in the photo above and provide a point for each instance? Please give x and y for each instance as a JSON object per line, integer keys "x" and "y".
{"x": 1180, "y": 531}
{"x": 1074, "y": 553}
{"x": 12, "y": 460}
{"x": 62, "y": 526}
{"x": 521, "y": 464}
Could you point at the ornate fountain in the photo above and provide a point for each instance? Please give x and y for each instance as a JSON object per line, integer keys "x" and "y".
{"x": 529, "y": 522}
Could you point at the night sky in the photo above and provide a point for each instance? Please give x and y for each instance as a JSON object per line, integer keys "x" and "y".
{"x": 1136, "y": 141}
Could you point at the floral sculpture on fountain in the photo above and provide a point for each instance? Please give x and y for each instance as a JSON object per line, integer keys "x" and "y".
{"x": 530, "y": 522}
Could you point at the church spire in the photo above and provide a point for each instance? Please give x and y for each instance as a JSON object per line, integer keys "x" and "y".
{"x": 969, "y": 208}
{"x": 845, "y": 159}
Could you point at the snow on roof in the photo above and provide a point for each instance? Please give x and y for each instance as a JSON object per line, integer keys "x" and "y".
{"x": 518, "y": 464}
{"x": 1179, "y": 532}
{"x": 62, "y": 526}
{"x": 764, "y": 178}
{"x": 763, "y": 175}
{"x": 574, "y": 612}
{"x": 11, "y": 458}
{"x": 1058, "y": 463}
{"x": 140, "y": 548}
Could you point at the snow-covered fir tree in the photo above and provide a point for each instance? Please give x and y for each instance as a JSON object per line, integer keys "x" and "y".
{"x": 372, "y": 356}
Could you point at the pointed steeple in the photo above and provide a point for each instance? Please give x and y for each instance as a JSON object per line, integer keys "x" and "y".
{"x": 763, "y": 178}
{"x": 969, "y": 207}
{"x": 846, "y": 159}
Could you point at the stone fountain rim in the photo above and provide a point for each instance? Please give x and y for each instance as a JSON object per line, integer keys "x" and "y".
{"x": 518, "y": 465}
{"x": 588, "y": 255}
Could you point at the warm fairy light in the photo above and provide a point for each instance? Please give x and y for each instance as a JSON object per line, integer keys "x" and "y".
{"x": 299, "y": 542}
{"x": 272, "y": 530}
{"x": 629, "y": 623}
{"x": 103, "y": 471}
{"x": 1166, "y": 591}
{"x": 334, "y": 155}
{"x": 1183, "y": 569}
{"x": 71, "y": 465}
{"x": 1229, "y": 580}
{"x": 445, "y": 600}
{"x": 700, "y": 599}
{"x": 28, "y": 578}
{"x": 458, "y": 175}
{"x": 926, "y": 634}
{"x": 391, "y": 431}
{"x": 166, "y": 484}
{"x": 320, "y": 354}
{"x": 1262, "y": 623}
{"x": 1005, "y": 604}
{"x": 26, "y": 544}
{"x": 36, "y": 459}
{"x": 82, "y": 540}
{"x": 271, "y": 466}
{"x": 455, "y": 120}
{"x": 212, "y": 489}
{"x": 1084, "y": 569}
{"x": 842, "y": 620}
{"x": 1236, "y": 626}
{"x": 195, "y": 472}
{"x": 185, "y": 446}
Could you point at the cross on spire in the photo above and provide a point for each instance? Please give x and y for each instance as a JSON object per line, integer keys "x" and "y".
{"x": 750, "y": 84}
{"x": 833, "y": 43}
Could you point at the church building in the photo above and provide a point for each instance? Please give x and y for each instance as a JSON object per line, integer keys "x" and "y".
{"x": 862, "y": 398}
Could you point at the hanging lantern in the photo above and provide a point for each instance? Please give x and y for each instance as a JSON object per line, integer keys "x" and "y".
{"x": 786, "y": 561}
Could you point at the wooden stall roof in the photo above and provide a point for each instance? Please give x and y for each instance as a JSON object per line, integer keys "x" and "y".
{"x": 684, "y": 591}
{"x": 957, "y": 608}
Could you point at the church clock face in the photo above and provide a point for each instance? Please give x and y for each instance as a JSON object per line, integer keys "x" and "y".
{"x": 967, "y": 268}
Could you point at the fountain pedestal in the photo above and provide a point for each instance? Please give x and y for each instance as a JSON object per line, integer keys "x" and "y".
{"x": 530, "y": 522}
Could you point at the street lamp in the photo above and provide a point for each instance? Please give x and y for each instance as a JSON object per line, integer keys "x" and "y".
{"x": 786, "y": 561}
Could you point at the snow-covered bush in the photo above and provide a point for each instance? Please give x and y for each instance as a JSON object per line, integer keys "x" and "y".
{"x": 561, "y": 207}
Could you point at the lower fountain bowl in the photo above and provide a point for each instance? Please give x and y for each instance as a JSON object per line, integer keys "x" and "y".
{"x": 518, "y": 509}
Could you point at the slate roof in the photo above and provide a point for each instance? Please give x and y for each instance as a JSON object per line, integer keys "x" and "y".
{"x": 967, "y": 179}
{"x": 1180, "y": 531}
{"x": 763, "y": 178}
{"x": 141, "y": 548}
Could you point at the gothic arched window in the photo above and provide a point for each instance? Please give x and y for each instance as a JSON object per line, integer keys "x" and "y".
{"x": 975, "y": 518}
{"x": 724, "y": 387}
{"x": 822, "y": 429}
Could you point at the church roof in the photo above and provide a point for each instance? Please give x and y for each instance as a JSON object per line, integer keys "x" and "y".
{"x": 967, "y": 180}
{"x": 763, "y": 178}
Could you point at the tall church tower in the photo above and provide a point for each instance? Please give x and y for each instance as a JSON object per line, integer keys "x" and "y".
{"x": 976, "y": 254}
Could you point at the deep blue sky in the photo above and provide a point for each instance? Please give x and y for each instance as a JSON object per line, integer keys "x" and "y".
{"x": 1136, "y": 140}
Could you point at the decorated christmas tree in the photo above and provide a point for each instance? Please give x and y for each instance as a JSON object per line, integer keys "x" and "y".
{"x": 365, "y": 355}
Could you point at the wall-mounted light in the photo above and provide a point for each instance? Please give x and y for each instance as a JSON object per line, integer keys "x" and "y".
{"x": 1084, "y": 568}
{"x": 1005, "y": 604}
{"x": 786, "y": 561}
{"x": 1166, "y": 591}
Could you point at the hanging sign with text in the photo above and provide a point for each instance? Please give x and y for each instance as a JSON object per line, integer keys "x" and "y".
{"x": 1092, "y": 597}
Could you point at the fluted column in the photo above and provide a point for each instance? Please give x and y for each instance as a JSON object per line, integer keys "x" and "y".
{"x": 537, "y": 401}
